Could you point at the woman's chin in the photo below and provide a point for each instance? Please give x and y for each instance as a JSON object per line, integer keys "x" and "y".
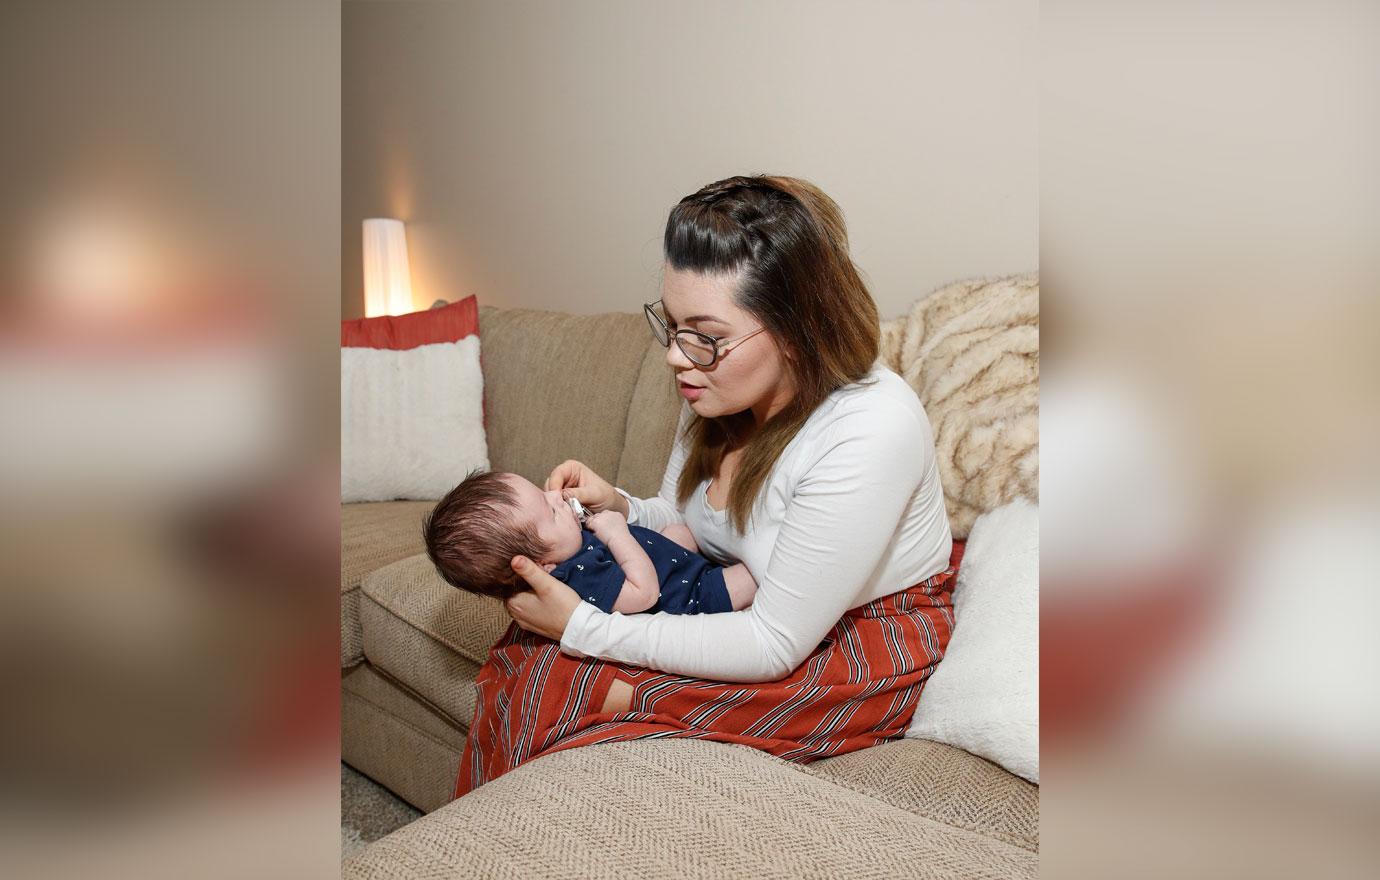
{"x": 704, "y": 409}
{"x": 709, "y": 410}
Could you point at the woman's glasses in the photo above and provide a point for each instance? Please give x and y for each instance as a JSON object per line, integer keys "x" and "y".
{"x": 702, "y": 349}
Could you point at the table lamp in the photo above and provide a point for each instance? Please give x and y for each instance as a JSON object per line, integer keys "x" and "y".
{"x": 387, "y": 280}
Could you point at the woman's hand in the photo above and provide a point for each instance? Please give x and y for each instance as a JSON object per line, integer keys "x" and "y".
{"x": 547, "y": 609}
{"x": 576, "y": 480}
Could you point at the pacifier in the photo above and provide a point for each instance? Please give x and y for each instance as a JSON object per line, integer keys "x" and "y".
{"x": 579, "y": 509}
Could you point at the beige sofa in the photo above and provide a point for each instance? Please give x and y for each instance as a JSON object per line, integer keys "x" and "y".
{"x": 596, "y": 388}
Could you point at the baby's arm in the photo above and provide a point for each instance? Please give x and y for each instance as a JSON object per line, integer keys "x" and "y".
{"x": 641, "y": 586}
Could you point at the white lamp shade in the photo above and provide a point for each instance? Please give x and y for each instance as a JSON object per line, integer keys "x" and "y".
{"x": 387, "y": 279}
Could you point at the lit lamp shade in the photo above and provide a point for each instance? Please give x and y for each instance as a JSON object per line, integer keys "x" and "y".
{"x": 387, "y": 279}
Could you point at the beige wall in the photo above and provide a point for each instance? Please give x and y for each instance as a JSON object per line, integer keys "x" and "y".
{"x": 535, "y": 148}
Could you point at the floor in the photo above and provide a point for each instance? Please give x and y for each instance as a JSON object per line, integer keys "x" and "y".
{"x": 368, "y": 811}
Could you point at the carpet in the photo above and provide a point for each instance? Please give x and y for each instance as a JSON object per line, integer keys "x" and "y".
{"x": 368, "y": 811}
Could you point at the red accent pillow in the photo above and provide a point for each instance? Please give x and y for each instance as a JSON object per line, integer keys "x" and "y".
{"x": 398, "y": 332}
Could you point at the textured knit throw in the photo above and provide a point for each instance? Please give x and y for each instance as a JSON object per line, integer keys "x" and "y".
{"x": 971, "y": 350}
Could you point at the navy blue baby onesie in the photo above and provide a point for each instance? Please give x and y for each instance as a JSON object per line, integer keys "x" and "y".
{"x": 690, "y": 584}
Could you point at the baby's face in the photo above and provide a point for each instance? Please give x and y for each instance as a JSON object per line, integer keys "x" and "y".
{"x": 550, "y": 515}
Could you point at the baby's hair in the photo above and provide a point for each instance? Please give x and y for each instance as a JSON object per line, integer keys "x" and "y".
{"x": 471, "y": 536}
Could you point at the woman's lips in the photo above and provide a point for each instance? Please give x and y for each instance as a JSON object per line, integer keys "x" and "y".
{"x": 690, "y": 392}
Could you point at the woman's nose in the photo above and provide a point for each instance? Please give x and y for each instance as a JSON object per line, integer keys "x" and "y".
{"x": 676, "y": 358}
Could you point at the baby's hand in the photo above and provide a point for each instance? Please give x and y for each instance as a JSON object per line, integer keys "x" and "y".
{"x": 606, "y": 522}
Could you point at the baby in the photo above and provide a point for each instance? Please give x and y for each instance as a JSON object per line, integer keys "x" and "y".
{"x": 474, "y": 532}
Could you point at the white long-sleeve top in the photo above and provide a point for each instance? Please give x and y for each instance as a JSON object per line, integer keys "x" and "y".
{"x": 852, "y": 511}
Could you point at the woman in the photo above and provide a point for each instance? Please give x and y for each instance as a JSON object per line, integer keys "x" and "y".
{"x": 798, "y": 455}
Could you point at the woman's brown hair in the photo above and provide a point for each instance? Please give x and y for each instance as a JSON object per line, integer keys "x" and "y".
{"x": 786, "y": 241}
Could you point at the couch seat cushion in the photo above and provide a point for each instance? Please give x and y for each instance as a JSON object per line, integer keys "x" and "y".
{"x": 371, "y": 536}
{"x": 680, "y": 809}
{"x": 948, "y": 784}
{"x": 398, "y": 740}
{"x": 427, "y": 634}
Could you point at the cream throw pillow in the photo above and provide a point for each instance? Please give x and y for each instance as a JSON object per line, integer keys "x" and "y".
{"x": 984, "y": 697}
{"x": 411, "y": 421}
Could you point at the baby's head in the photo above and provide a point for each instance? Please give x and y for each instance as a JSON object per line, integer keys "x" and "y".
{"x": 474, "y": 532}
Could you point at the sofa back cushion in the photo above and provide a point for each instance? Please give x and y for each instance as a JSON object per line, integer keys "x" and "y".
{"x": 559, "y": 386}
{"x": 652, "y": 423}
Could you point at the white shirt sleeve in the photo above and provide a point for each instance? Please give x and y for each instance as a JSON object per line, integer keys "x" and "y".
{"x": 844, "y": 512}
{"x": 661, "y": 511}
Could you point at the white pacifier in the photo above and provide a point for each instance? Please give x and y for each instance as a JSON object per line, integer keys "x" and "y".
{"x": 580, "y": 513}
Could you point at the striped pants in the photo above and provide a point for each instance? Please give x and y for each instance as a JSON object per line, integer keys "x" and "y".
{"x": 859, "y": 687}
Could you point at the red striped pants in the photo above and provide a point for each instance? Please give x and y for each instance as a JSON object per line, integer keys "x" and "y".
{"x": 859, "y": 687}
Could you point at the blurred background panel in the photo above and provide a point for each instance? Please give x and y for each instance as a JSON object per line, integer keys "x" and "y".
{"x": 169, "y": 286}
{"x": 1210, "y": 208}
{"x": 195, "y": 129}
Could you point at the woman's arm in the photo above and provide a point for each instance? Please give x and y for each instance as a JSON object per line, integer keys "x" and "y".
{"x": 836, "y": 530}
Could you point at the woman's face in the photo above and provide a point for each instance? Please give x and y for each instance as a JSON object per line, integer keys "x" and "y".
{"x": 751, "y": 375}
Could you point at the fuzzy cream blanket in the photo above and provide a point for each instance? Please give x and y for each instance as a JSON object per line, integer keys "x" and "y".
{"x": 971, "y": 351}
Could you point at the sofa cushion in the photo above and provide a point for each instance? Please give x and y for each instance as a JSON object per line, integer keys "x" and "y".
{"x": 686, "y": 808}
{"x": 558, "y": 386}
{"x": 397, "y": 739}
{"x": 683, "y": 809}
{"x": 652, "y": 419}
{"x": 948, "y": 784}
{"x": 427, "y": 634}
{"x": 371, "y": 536}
